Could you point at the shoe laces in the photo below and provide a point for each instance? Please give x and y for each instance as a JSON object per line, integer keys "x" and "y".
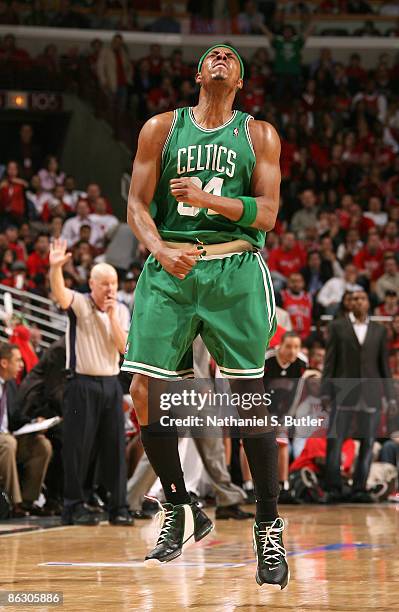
{"x": 163, "y": 519}
{"x": 270, "y": 537}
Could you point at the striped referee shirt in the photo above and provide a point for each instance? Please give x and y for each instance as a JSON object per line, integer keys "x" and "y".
{"x": 90, "y": 348}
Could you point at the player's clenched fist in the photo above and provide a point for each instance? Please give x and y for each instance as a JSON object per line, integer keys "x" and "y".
{"x": 185, "y": 190}
{"x": 178, "y": 262}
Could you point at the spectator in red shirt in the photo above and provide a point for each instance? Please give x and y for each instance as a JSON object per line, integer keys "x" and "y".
{"x": 10, "y": 53}
{"x": 12, "y": 197}
{"x": 14, "y": 244}
{"x": 298, "y": 304}
{"x": 160, "y": 99}
{"x": 286, "y": 259}
{"x": 7, "y": 258}
{"x": 369, "y": 260}
{"x": 390, "y": 305}
{"x": 155, "y": 61}
{"x": 390, "y": 242}
{"x": 38, "y": 264}
{"x": 314, "y": 456}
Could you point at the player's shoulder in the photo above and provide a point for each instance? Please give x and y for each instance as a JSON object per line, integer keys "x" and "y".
{"x": 264, "y": 134}
{"x": 158, "y": 125}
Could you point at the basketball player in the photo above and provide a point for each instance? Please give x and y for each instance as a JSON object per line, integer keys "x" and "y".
{"x": 204, "y": 190}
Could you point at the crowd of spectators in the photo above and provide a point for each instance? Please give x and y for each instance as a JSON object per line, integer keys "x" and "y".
{"x": 246, "y": 17}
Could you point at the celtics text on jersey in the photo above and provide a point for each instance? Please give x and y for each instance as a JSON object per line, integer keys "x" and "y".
{"x": 218, "y": 160}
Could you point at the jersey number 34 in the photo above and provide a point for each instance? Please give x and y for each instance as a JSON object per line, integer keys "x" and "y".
{"x": 213, "y": 186}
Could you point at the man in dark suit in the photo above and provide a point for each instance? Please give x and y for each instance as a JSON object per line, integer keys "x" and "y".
{"x": 356, "y": 354}
{"x": 32, "y": 451}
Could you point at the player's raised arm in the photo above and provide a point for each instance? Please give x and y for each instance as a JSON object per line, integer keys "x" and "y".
{"x": 145, "y": 177}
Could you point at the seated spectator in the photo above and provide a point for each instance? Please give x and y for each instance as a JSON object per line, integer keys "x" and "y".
{"x": 327, "y": 254}
{"x": 389, "y": 452}
{"x": 38, "y": 264}
{"x": 56, "y": 227}
{"x": 286, "y": 259}
{"x": 12, "y": 197}
{"x": 7, "y": 258}
{"x": 160, "y": 99}
{"x": 32, "y": 451}
{"x": 104, "y": 221}
{"x": 14, "y": 243}
{"x": 390, "y": 241}
{"x": 56, "y": 202}
{"x": 298, "y": 304}
{"x": 9, "y": 52}
{"x": 375, "y": 213}
{"x": 389, "y": 281}
{"x": 331, "y": 294}
{"x": 71, "y": 194}
{"x": 93, "y": 192}
{"x": 316, "y": 358}
{"x": 71, "y": 228}
{"x": 390, "y": 305}
{"x": 369, "y": 260}
{"x": 21, "y": 338}
{"x": 316, "y": 272}
{"x": 126, "y": 293}
{"x": 352, "y": 245}
{"x": 83, "y": 261}
{"x": 36, "y": 198}
{"x": 309, "y": 407}
{"x": 307, "y": 215}
{"x": 50, "y": 176}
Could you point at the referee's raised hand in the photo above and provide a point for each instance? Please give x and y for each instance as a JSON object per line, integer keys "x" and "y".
{"x": 58, "y": 254}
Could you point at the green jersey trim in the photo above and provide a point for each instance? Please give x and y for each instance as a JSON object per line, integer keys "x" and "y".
{"x": 215, "y": 129}
{"x": 172, "y": 127}
{"x": 247, "y": 120}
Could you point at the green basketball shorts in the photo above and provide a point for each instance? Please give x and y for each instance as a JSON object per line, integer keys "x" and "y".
{"x": 229, "y": 301}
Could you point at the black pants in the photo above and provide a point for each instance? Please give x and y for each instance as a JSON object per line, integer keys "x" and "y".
{"x": 340, "y": 425}
{"x": 94, "y": 422}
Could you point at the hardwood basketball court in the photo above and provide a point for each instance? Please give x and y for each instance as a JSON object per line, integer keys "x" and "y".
{"x": 341, "y": 558}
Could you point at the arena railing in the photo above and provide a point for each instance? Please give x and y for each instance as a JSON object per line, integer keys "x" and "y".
{"x": 34, "y": 309}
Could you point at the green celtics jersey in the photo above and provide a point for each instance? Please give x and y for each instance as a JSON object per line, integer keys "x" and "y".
{"x": 220, "y": 161}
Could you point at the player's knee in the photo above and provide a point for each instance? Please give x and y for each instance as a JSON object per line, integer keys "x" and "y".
{"x": 139, "y": 395}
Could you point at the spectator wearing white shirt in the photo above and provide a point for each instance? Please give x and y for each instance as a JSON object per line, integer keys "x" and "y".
{"x": 375, "y": 213}
{"x": 72, "y": 195}
{"x": 104, "y": 221}
{"x": 71, "y": 228}
{"x": 330, "y": 295}
{"x": 126, "y": 294}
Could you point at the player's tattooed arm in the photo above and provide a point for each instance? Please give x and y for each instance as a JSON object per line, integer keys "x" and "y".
{"x": 145, "y": 177}
{"x": 265, "y": 184}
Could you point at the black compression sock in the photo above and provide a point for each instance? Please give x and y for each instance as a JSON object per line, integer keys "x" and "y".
{"x": 262, "y": 454}
{"x": 161, "y": 447}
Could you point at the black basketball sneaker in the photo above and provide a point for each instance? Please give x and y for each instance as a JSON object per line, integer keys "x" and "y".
{"x": 270, "y": 553}
{"x": 181, "y": 525}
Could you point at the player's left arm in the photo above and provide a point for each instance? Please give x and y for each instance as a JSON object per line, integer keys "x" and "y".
{"x": 265, "y": 185}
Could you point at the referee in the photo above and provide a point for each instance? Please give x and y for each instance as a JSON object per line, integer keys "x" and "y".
{"x": 93, "y": 413}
